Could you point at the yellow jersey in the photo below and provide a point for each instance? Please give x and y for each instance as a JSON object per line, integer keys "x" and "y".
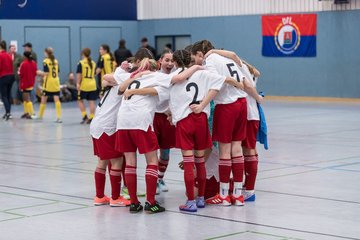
{"x": 88, "y": 82}
{"x": 106, "y": 65}
{"x": 51, "y": 81}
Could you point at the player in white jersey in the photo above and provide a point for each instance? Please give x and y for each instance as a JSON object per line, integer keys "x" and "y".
{"x": 164, "y": 130}
{"x": 135, "y": 131}
{"x": 102, "y": 130}
{"x": 253, "y": 119}
{"x": 230, "y": 121}
{"x": 189, "y": 105}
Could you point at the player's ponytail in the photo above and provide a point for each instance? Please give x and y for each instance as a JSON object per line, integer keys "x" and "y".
{"x": 107, "y": 49}
{"x": 28, "y": 56}
{"x": 182, "y": 58}
{"x": 50, "y": 53}
{"x": 146, "y": 65}
{"x": 86, "y": 52}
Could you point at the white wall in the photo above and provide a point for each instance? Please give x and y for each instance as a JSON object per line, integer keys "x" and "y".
{"x": 158, "y": 9}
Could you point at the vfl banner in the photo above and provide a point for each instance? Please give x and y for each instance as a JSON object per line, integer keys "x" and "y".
{"x": 291, "y": 35}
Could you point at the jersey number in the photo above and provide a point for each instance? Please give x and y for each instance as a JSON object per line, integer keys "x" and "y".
{"x": 137, "y": 86}
{"x": 233, "y": 72}
{"x": 188, "y": 88}
{"x": 104, "y": 98}
{"x": 53, "y": 72}
{"x": 87, "y": 73}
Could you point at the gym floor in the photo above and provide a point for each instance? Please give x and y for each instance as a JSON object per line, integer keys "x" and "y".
{"x": 307, "y": 186}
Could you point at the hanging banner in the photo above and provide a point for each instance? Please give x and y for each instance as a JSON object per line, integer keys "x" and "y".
{"x": 292, "y": 35}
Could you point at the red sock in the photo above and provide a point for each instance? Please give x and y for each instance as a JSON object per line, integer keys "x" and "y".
{"x": 115, "y": 179}
{"x": 162, "y": 167}
{"x": 131, "y": 181}
{"x": 224, "y": 170}
{"x": 251, "y": 167}
{"x": 100, "y": 179}
{"x": 189, "y": 176}
{"x": 238, "y": 168}
{"x": 200, "y": 175}
{"x": 123, "y": 173}
{"x": 151, "y": 177}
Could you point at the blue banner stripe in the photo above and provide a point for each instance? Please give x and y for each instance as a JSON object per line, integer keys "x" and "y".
{"x": 307, "y": 47}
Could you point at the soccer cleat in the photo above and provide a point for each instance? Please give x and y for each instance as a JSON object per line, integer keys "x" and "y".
{"x": 58, "y": 120}
{"x": 135, "y": 208}
{"x": 189, "y": 206}
{"x": 33, "y": 116}
{"x": 89, "y": 121}
{"x": 249, "y": 197}
{"x": 8, "y": 116}
{"x": 101, "y": 201}
{"x": 154, "y": 208}
{"x": 237, "y": 201}
{"x": 218, "y": 200}
{"x": 25, "y": 115}
{"x": 163, "y": 186}
{"x": 84, "y": 119}
{"x": 125, "y": 193}
{"x": 200, "y": 202}
{"x": 120, "y": 202}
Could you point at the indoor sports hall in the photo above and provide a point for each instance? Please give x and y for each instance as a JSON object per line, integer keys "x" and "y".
{"x": 302, "y": 55}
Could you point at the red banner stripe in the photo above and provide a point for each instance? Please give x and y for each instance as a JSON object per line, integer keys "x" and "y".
{"x": 306, "y": 23}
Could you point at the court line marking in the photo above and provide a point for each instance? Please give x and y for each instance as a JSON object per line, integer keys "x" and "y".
{"x": 266, "y": 225}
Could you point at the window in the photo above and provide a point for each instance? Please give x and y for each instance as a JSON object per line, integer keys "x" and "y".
{"x": 176, "y": 42}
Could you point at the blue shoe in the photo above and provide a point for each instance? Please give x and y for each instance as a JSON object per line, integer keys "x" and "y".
{"x": 249, "y": 197}
{"x": 190, "y": 206}
{"x": 200, "y": 202}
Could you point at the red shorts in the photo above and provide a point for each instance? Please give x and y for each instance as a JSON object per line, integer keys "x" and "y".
{"x": 133, "y": 139}
{"x": 165, "y": 132}
{"x": 251, "y": 132}
{"x": 104, "y": 147}
{"x": 230, "y": 122}
{"x": 193, "y": 132}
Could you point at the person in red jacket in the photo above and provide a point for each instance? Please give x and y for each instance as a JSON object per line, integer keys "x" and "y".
{"x": 27, "y": 73}
{"x": 7, "y": 79}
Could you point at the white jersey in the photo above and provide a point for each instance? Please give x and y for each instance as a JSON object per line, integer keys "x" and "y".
{"x": 163, "y": 106}
{"x": 225, "y": 67}
{"x": 252, "y": 109}
{"x": 106, "y": 112}
{"x": 193, "y": 90}
{"x": 138, "y": 111}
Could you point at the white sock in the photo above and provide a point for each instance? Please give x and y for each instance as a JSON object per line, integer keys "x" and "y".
{"x": 224, "y": 189}
{"x": 237, "y": 189}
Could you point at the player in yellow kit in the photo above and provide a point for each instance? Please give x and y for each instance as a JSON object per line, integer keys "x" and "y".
{"x": 106, "y": 65}
{"x": 51, "y": 86}
{"x": 86, "y": 85}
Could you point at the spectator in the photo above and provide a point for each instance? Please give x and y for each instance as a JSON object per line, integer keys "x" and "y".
{"x": 145, "y": 44}
{"x": 70, "y": 91}
{"x": 122, "y": 53}
{"x": 28, "y": 48}
{"x": 17, "y": 59}
{"x": 6, "y": 79}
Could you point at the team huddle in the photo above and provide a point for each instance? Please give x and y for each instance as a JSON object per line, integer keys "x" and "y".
{"x": 200, "y": 100}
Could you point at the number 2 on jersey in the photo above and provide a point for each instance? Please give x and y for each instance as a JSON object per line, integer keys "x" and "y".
{"x": 188, "y": 88}
{"x": 137, "y": 86}
{"x": 233, "y": 72}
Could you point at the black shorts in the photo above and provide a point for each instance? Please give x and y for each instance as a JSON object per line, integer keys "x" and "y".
{"x": 90, "y": 96}
{"x": 50, "y": 94}
{"x": 26, "y": 91}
